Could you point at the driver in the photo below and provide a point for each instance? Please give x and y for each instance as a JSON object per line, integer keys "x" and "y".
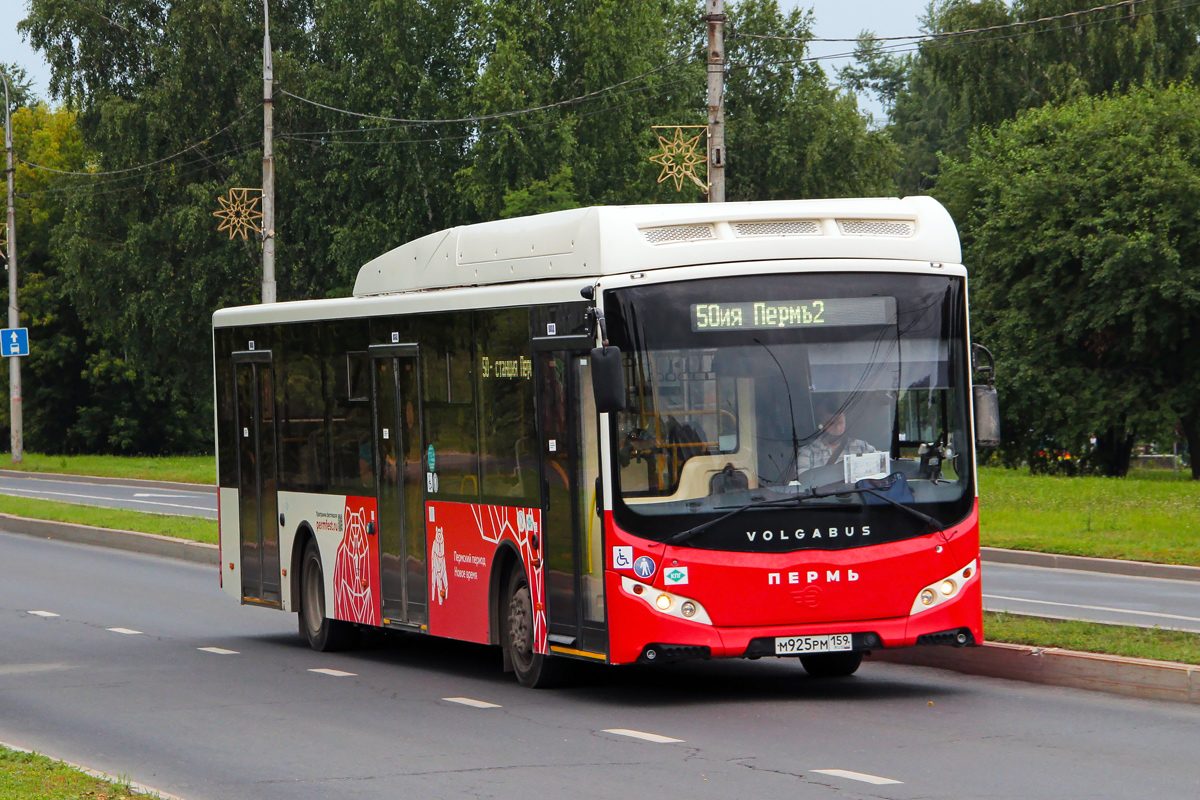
{"x": 833, "y": 443}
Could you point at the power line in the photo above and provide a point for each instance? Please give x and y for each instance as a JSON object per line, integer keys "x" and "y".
{"x": 190, "y": 147}
{"x": 946, "y": 34}
{"x": 915, "y": 46}
{"x": 499, "y": 115}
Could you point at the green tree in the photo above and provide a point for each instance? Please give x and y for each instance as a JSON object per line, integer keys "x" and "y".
{"x": 957, "y": 83}
{"x": 1079, "y": 224}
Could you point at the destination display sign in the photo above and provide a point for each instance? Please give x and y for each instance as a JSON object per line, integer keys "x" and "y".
{"x": 767, "y": 314}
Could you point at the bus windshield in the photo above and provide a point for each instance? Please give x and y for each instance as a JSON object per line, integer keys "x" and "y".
{"x": 751, "y": 388}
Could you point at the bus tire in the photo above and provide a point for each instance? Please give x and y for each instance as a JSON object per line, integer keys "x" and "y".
{"x": 534, "y": 670}
{"x": 323, "y": 634}
{"x": 832, "y": 665}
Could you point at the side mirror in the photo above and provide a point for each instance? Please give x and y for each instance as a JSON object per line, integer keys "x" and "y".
{"x": 608, "y": 379}
{"x": 987, "y": 416}
{"x": 986, "y": 401}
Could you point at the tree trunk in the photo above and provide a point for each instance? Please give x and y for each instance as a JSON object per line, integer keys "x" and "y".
{"x": 1114, "y": 450}
{"x": 1190, "y": 423}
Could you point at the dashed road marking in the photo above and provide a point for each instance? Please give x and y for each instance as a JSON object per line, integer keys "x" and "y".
{"x": 221, "y": 651}
{"x": 649, "y": 737}
{"x": 857, "y": 776}
{"x": 337, "y": 673}
{"x": 466, "y": 701}
{"x": 44, "y": 613}
{"x": 126, "y": 631}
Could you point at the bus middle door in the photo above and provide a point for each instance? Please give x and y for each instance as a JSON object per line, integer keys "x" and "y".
{"x": 398, "y": 474}
{"x": 567, "y": 427}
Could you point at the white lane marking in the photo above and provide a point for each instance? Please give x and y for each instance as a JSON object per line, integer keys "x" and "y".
{"x": 221, "y": 651}
{"x": 178, "y": 496}
{"x": 466, "y": 701}
{"x": 1092, "y": 608}
{"x": 43, "y": 613}
{"x": 337, "y": 673}
{"x": 39, "y": 492}
{"x": 649, "y": 737}
{"x": 126, "y": 631}
{"x": 857, "y": 776}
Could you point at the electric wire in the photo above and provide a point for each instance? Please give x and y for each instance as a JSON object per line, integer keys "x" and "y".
{"x": 126, "y": 170}
{"x": 946, "y": 34}
{"x": 500, "y": 114}
{"x": 917, "y": 46}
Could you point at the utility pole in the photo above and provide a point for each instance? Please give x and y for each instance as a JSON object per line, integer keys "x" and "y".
{"x": 716, "y": 100}
{"x": 268, "y": 191}
{"x": 14, "y": 319}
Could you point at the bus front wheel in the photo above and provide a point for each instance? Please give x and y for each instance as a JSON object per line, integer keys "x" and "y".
{"x": 534, "y": 670}
{"x": 831, "y": 665}
{"x": 324, "y": 634}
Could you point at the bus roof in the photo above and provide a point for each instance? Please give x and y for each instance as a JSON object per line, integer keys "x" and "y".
{"x": 610, "y": 240}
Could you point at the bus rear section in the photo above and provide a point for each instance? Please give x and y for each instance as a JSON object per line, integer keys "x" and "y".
{"x": 675, "y": 448}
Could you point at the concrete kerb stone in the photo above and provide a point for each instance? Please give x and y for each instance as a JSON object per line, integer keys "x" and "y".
{"x": 1131, "y": 677}
{"x": 1109, "y": 566}
{"x": 149, "y": 543}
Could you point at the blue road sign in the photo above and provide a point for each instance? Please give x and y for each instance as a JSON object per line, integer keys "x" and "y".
{"x": 14, "y": 342}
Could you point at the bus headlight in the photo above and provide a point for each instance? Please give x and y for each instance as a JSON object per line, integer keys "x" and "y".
{"x": 663, "y": 602}
{"x": 937, "y": 593}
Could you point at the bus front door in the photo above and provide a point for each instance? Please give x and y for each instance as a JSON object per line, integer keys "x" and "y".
{"x": 258, "y": 526}
{"x": 398, "y": 475}
{"x": 567, "y": 424}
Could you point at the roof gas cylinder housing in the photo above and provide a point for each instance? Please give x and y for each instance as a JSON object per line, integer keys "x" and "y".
{"x": 611, "y": 240}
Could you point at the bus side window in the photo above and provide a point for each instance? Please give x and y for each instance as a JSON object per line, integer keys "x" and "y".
{"x": 507, "y": 427}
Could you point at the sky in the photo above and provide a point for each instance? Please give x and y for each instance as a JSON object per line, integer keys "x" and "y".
{"x": 834, "y": 19}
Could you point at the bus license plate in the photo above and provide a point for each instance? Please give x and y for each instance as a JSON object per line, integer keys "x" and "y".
{"x": 791, "y": 645}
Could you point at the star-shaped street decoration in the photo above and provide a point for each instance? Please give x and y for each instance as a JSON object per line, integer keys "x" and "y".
{"x": 240, "y": 213}
{"x": 680, "y": 155}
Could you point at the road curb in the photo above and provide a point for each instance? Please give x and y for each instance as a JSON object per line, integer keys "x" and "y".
{"x": 1110, "y": 566}
{"x": 136, "y": 483}
{"x": 134, "y": 787}
{"x": 1051, "y": 666}
{"x": 149, "y": 543}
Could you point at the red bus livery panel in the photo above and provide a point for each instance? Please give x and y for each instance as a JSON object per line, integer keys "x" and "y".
{"x": 356, "y": 567}
{"x": 463, "y": 541}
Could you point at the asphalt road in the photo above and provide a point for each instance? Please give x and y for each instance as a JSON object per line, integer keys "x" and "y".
{"x": 174, "y": 500}
{"x": 1077, "y": 594}
{"x": 260, "y": 723}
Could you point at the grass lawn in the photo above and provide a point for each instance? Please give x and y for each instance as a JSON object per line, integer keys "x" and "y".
{"x": 1093, "y": 637}
{"x": 1152, "y": 515}
{"x": 182, "y": 469}
{"x": 27, "y": 776}
{"x": 196, "y": 528}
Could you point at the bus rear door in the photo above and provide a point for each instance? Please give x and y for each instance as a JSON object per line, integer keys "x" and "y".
{"x": 255, "y": 425}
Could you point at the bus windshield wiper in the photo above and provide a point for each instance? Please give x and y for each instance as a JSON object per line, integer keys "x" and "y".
{"x": 683, "y": 536}
{"x": 811, "y": 494}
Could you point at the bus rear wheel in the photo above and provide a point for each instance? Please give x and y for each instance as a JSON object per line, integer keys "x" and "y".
{"x": 324, "y": 634}
{"x": 831, "y": 665}
{"x": 534, "y": 670}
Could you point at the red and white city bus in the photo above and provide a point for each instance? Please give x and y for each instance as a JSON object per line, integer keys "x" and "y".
{"x": 618, "y": 434}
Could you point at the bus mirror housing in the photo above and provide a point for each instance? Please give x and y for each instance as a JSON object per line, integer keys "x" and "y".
{"x": 987, "y": 416}
{"x": 986, "y": 401}
{"x": 608, "y": 379}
